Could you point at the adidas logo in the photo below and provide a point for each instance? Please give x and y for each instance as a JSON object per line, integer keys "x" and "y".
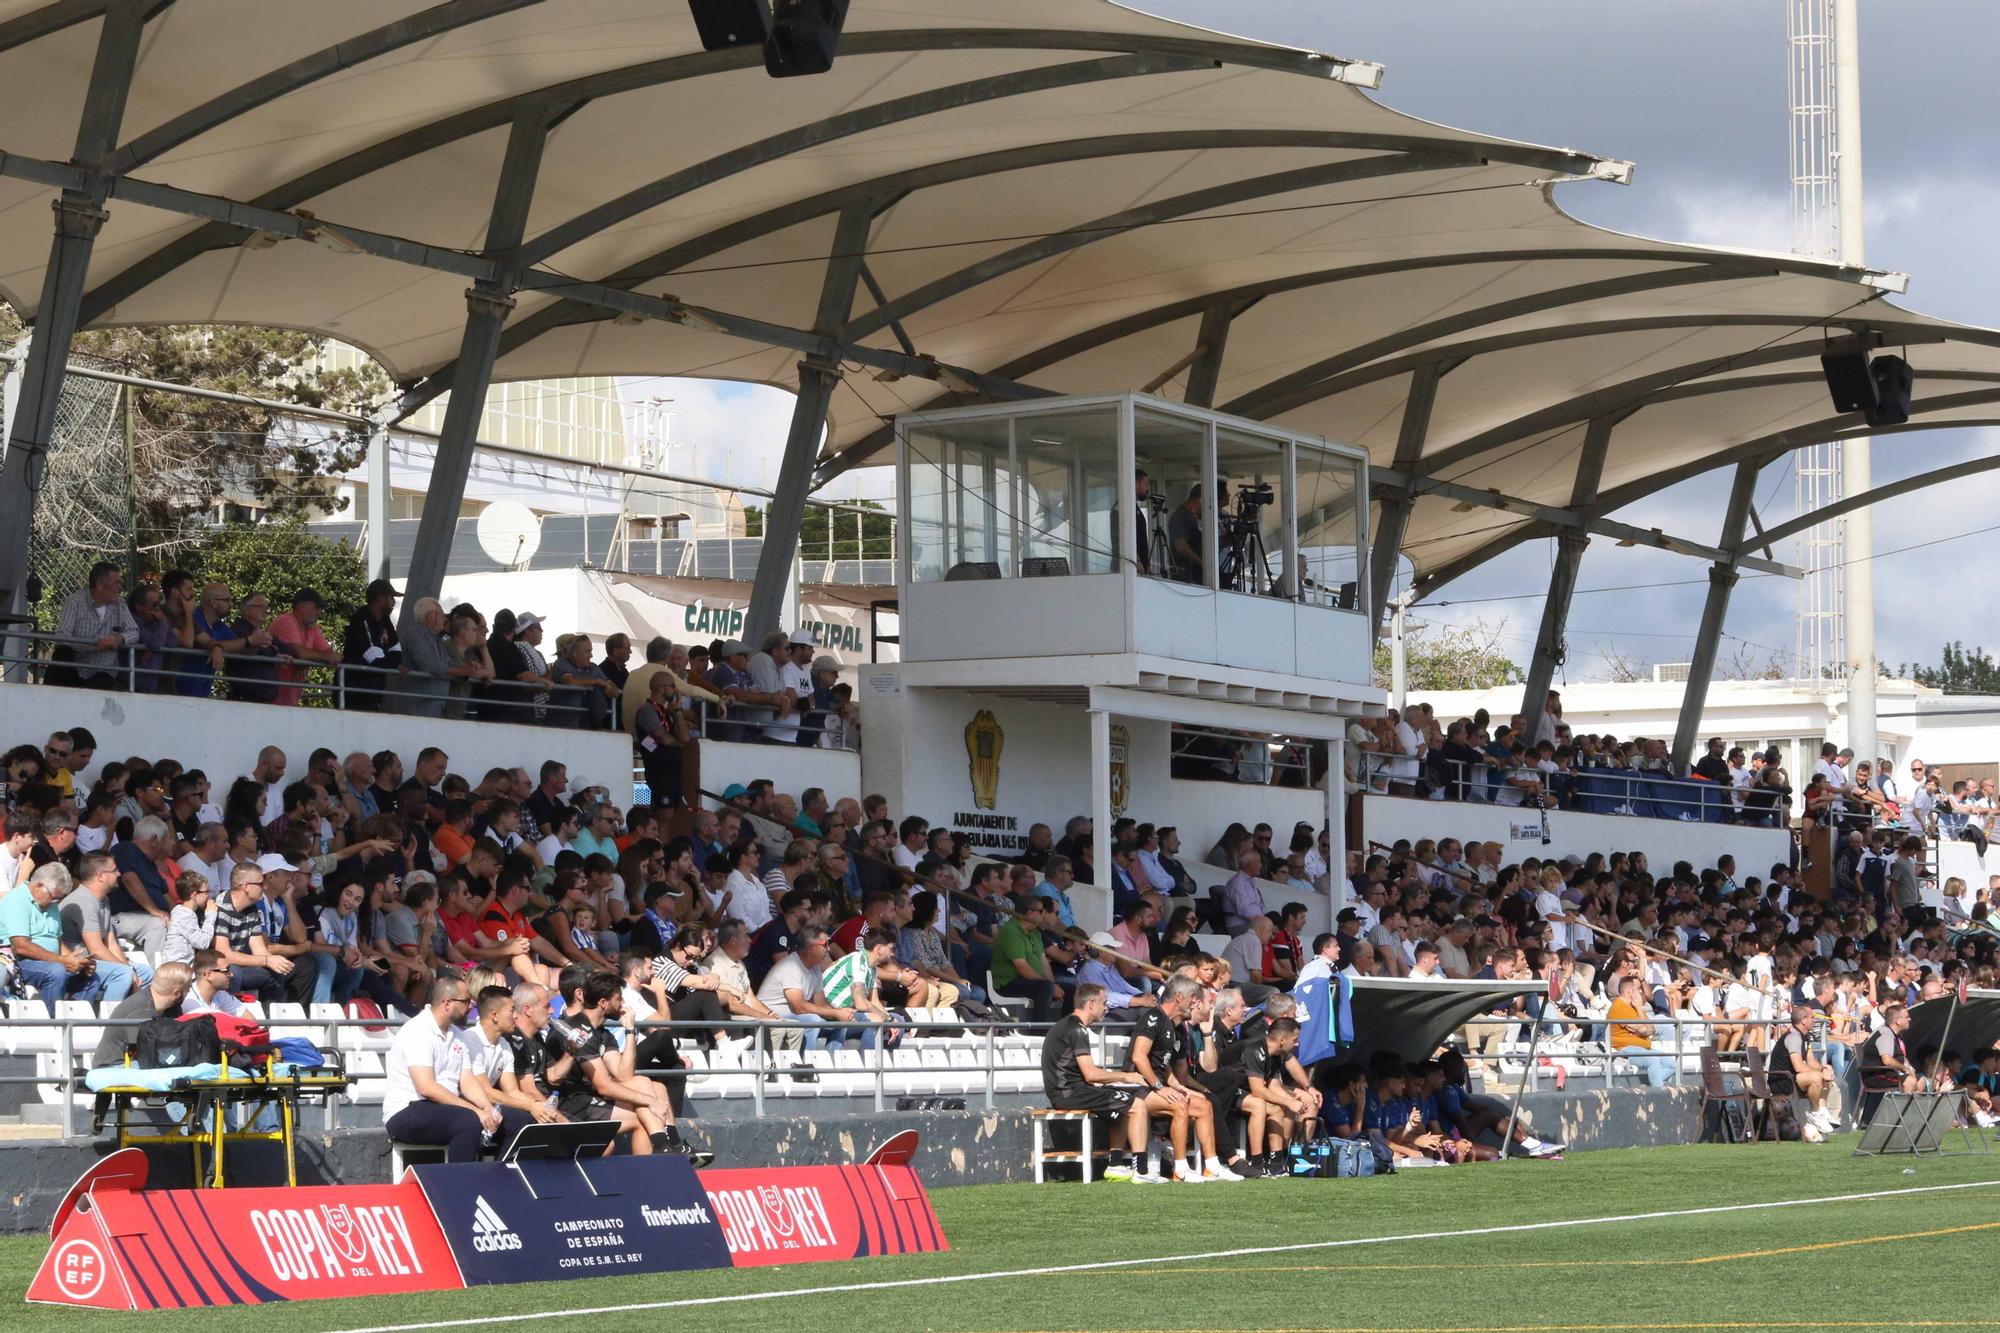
{"x": 489, "y": 1233}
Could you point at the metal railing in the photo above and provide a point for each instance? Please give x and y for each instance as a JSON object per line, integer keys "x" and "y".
{"x": 132, "y": 673}
{"x": 513, "y": 703}
{"x": 768, "y": 1063}
{"x": 1491, "y": 783}
{"x": 1250, "y": 758}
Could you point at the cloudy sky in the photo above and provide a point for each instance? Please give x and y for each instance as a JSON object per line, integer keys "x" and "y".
{"x": 1693, "y": 91}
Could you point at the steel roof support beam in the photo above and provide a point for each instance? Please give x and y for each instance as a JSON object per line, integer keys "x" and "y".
{"x": 1211, "y": 344}
{"x": 1131, "y": 325}
{"x": 1552, "y": 519}
{"x": 1394, "y": 517}
{"x": 1550, "y": 649}
{"x": 487, "y": 305}
{"x": 1722, "y": 576}
{"x": 1763, "y": 449}
{"x": 79, "y": 216}
{"x": 773, "y": 593}
{"x": 1848, "y": 504}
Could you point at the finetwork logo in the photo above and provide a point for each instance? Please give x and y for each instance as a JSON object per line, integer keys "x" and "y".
{"x": 489, "y": 1233}
{"x": 675, "y": 1217}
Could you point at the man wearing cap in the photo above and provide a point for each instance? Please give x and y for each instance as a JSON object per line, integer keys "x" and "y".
{"x": 370, "y": 649}
{"x": 1101, "y": 968}
{"x": 825, "y": 727}
{"x": 795, "y": 674}
{"x": 299, "y": 638}
{"x": 239, "y": 938}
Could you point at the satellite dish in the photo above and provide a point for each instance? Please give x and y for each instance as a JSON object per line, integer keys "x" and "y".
{"x": 509, "y": 533}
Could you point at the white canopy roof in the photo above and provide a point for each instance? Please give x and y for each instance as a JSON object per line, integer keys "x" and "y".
{"x": 1060, "y": 191}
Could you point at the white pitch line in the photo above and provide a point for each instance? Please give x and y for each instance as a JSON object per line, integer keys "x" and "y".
{"x": 944, "y": 1279}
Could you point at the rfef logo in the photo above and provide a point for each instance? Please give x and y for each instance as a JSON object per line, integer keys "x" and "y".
{"x": 79, "y": 1269}
{"x": 489, "y": 1233}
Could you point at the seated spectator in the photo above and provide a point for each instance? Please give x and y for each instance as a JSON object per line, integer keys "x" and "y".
{"x": 159, "y": 997}
{"x": 427, "y": 1098}
{"x": 794, "y": 992}
{"x": 210, "y": 989}
{"x": 31, "y": 925}
{"x": 1021, "y": 967}
{"x": 87, "y": 925}
{"x": 1072, "y": 1080}
{"x": 1634, "y": 1040}
{"x": 1248, "y": 957}
{"x": 927, "y": 969}
{"x": 239, "y": 938}
{"x": 1103, "y": 967}
{"x": 599, "y": 1083}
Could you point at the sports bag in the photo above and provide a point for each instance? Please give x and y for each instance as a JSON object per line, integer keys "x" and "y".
{"x": 167, "y": 1041}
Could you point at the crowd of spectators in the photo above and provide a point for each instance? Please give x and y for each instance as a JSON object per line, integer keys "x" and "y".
{"x": 171, "y": 636}
{"x": 375, "y": 879}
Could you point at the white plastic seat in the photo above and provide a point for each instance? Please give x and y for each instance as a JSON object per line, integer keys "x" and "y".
{"x": 27, "y": 1040}
{"x": 367, "y": 1071}
{"x": 84, "y": 1039}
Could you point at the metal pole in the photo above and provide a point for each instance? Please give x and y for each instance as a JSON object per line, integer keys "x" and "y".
{"x": 991, "y": 1056}
{"x": 1398, "y": 661}
{"x": 1514, "y": 1111}
{"x": 777, "y": 558}
{"x": 487, "y": 304}
{"x": 79, "y": 216}
{"x": 1856, "y": 462}
{"x": 757, "y": 1078}
{"x": 1722, "y": 578}
{"x": 378, "y": 502}
{"x": 68, "y": 1080}
{"x": 131, "y": 494}
{"x": 1396, "y": 505}
{"x": 1100, "y": 808}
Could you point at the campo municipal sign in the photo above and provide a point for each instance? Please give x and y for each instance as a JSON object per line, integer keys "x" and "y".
{"x": 726, "y": 622}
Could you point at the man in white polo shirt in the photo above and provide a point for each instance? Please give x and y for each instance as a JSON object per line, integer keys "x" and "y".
{"x": 424, "y": 1101}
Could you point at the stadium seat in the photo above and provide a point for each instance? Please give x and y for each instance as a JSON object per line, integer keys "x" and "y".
{"x": 27, "y": 1040}
{"x": 999, "y": 1001}
{"x": 1212, "y": 944}
{"x": 366, "y": 1069}
{"x": 1043, "y": 1119}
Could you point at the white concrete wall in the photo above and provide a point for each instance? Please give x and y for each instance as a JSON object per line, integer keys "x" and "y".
{"x": 223, "y": 738}
{"x": 914, "y": 753}
{"x": 790, "y": 768}
{"x": 1664, "y": 841}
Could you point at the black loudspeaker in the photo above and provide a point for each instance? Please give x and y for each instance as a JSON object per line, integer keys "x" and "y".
{"x": 1848, "y": 379}
{"x": 726, "y": 23}
{"x": 804, "y": 34}
{"x": 1893, "y": 381}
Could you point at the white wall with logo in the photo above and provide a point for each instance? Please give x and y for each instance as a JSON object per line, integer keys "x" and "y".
{"x": 1384, "y": 819}
{"x": 914, "y": 752}
{"x": 223, "y": 738}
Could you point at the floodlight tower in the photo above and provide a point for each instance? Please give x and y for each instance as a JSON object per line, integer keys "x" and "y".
{"x": 1836, "y": 617}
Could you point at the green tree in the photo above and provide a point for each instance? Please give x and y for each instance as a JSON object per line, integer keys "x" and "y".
{"x": 1450, "y": 657}
{"x": 877, "y": 535}
{"x": 1963, "y": 671}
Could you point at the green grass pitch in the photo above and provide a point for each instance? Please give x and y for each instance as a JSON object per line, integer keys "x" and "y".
{"x": 1909, "y": 1261}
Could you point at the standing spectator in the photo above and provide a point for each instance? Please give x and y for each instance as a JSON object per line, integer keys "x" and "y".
{"x": 31, "y": 926}
{"x": 528, "y": 632}
{"x": 660, "y": 727}
{"x": 300, "y": 640}
{"x": 588, "y": 692}
{"x": 156, "y": 637}
{"x": 369, "y": 648}
{"x": 617, "y": 652}
{"x": 96, "y": 624}
{"x": 254, "y": 666}
{"x": 424, "y": 679}
{"x": 512, "y": 680}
